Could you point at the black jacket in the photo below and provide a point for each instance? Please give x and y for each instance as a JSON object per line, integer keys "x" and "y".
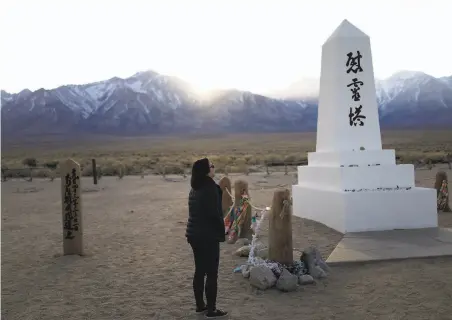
{"x": 205, "y": 220}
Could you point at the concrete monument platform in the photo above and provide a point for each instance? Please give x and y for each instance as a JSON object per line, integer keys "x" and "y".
{"x": 392, "y": 245}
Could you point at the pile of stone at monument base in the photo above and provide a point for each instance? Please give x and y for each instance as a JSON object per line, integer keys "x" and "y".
{"x": 264, "y": 274}
{"x": 274, "y": 265}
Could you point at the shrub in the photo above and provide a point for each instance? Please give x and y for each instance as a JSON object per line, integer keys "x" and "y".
{"x": 174, "y": 169}
{"x": 30, "y": 162}
{"x": 51, "y": 164}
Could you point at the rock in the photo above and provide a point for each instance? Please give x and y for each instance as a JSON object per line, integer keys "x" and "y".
{"x": 322, "y": 264}
{"x": 312, "y": 258}
{"x": 262, "y": 253}
{"x": 243, "y": 251}
{"x": 319, "y": 260}
{"x": 245, "y": 271}
{"x": 308, "y": 259}
{"x": 259, "y": 245}
{"x": 262, "y": 277}
{"x": 243, "y": 242}
{"x": 287, "y": 282}
{"x": 318, "y": 273}
{"x": 305, "y": 279}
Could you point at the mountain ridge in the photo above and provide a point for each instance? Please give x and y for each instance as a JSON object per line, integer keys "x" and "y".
{"x": 150, "y": 103}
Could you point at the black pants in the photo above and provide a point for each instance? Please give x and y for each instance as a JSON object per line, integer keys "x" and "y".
{"x": 207, "y": 258}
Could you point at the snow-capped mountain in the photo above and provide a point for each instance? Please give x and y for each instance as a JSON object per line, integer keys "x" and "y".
{"x": 148, "y": 102}
{"x": 447, "y": 80}
{"x": 415, "y": 98}
{"x": 406, "y": 99}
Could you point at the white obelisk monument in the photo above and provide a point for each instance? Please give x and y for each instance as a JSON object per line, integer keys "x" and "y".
{"x": 350, "y": 184}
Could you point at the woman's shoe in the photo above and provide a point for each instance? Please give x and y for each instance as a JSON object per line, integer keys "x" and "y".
{"x": 216, "y": 314}
{"x": 202, "y": 310}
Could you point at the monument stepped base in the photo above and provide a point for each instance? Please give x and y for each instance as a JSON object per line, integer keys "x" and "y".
{"x": 357, "y": 178}
{"x": 346, "y": 158}
{"x": 347, "y": 211}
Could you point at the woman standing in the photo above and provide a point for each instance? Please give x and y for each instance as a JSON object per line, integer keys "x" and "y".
{"x": 205, "y": 231}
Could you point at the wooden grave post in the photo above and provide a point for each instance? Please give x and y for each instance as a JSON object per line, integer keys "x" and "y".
{"x": 121, "y": 171}
{"x": 94, "y": 171}
{"x": 280, "y": 246}
{"x": 226, "y": 201}
{"x": 240, "y": 187}
{"x": 440, "y": 177}
{"x": 71, "y": 207}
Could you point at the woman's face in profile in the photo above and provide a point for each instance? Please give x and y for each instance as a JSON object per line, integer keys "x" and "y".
{"x": 212, "y": 170}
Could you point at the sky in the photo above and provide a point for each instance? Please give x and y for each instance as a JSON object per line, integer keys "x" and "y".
{"x": 256, "y": 45}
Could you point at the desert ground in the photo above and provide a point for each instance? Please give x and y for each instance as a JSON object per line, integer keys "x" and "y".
{"x": 138, "y": 264}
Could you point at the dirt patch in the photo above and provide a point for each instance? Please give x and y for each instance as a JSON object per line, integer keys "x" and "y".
{"x": 140, "y": 266}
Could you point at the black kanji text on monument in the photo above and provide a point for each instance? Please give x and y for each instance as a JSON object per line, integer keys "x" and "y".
{"x": 355, "y": 117}
{"x": 70, "y": 204}
{"x": 353, "y": 64}
{"x": 355, "y": 87}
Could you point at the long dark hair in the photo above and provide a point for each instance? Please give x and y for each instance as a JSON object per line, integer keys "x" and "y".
{"x": 199, "y": 173}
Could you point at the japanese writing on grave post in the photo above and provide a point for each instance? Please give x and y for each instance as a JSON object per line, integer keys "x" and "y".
{"x": 70, "y": 204}
{"x": 353, "y": 65}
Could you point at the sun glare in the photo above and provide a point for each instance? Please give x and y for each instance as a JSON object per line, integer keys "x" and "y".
{"x": 248, "y": 45}
{"x": 202, "y": 87}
